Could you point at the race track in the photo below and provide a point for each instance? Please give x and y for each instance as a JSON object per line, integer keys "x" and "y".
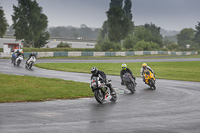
{"x": 172, "y": 108}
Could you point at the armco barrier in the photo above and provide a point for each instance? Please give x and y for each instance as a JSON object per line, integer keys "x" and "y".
{"x": 128, "y": 53}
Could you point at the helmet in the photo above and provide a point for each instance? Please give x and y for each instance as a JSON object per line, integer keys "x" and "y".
{"x": 144, "y": 65}
{"x": 33, "y": 53}
{"x": 94, "y": 70}
{"x": 124, "y": 66}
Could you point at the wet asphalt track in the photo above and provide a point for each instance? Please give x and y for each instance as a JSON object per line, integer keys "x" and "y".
{"x": 173, "y": 108}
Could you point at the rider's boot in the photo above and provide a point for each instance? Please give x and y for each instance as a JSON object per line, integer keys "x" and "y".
{"x": 112, "y": 91}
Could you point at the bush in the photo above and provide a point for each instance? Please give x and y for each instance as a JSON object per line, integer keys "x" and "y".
{"x": 173, "y": 47}
{"x": 63, "y": 45}
{"x": 107, "y": 45}
{"x": 142, "y": 45}
{"x": 129, "y": 42}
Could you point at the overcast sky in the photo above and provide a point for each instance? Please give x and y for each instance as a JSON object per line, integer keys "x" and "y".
{"x": 167, "y": 14}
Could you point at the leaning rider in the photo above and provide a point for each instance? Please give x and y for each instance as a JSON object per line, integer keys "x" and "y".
{"x": 125, "y": 70}
{"x": 144, "y": 69}
{"x": 32, "y": 54}
{"x": 18, "y": 53}
{"x": 96, "y": 73}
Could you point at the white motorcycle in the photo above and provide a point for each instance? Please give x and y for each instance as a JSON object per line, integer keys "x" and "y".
{"x": 30, "y": 62}
{"x": 18, "y": 60}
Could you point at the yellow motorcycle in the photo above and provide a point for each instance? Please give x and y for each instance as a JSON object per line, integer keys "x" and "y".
{"x": 150, "y": 79}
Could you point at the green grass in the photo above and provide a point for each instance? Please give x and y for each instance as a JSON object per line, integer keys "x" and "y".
{"x": 186, "y": 71}
{"x": 26, "y": 88}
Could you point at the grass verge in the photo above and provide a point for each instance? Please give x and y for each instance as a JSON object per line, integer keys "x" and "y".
{"x": 26, "y": 88}
{"x": 186, "y": 71}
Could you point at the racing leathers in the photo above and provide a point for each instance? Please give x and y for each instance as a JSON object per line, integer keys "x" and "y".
{"x": 30, "y": 57}
{"x": 126, "y": 71}
{"x": 102, "y": 75}
{"x": 143, "y": 70}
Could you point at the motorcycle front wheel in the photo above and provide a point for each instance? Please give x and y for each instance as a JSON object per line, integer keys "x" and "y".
{"x": 30, "y": 65}
{"x": 18, "y": 62}
{"x": 153, "y": 84}
{"x": 131, "y": 88}
{"x": 99, "y": 96}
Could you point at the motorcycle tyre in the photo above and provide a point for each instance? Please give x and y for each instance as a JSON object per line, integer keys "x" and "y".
{"x": 131, "y": 88}
{"x": 153, "y": 85}
{"x": 18, "y": 63}
{"x": 97, "y": 96}
{"x": 30, "y": 65}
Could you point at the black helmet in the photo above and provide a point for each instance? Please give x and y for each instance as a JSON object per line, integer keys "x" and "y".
{"x": 94, "y": 70}
{"x": 33, "y": 53}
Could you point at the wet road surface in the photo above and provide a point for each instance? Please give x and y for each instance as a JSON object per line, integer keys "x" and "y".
{"x": 172, "y": 108}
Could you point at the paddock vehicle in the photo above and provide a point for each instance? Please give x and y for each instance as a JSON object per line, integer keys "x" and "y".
{"x": 150, "y": 79}
{"x": 129, "y": 82}
{"x": 18, "y": 60}
{"x": 30, "y": 62}
{"x": 101, "y": 91}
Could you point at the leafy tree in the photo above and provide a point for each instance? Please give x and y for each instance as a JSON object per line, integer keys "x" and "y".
{"x": 148, "y": 33}
{"x": 115, "y": 15}
{"x": 3, "y": 23}
{"x": 185, "y": 37}
{"x": 197, "y": 34}
{"x": 127, "y": 9}
{"x": 30, "y": 23}
{"x": 116, "y": 3}
{"x": 154, "y": 35}
{"x": 119, "y": 20}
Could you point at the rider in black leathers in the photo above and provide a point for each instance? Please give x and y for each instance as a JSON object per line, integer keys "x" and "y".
{"x": 125, "y": 70}
{"x": 95, "y": 72}
{"x": 32, "y": 54}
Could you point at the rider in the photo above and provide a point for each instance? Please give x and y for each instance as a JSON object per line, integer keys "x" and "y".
{"x": 32, "y": 54}
{"x": 18, "y": 54}
{"x": 125, "y": 70}
{"x": 145, "y": 68}
{"x": 95, "y": 72}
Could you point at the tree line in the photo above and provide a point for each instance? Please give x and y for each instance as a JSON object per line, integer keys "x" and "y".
{"x": 118, "y": 32}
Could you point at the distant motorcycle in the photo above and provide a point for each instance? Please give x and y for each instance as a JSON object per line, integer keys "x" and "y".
{"x": 30, "y": 62}
{"x": 150, "y": 79}
{"x": 129, "y": 82}
{"x": 101, "y": 91}
{"x": 18, "y": 60}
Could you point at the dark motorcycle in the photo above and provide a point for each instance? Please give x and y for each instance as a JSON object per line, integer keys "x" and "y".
{"x": 129, "y": 82}
{"x": 101, "y": 91}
